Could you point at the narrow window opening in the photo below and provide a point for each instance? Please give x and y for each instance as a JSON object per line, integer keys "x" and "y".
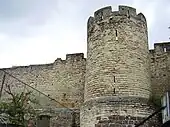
{"x": 128, "y": 14}
{"x": 101, "y": 14}
{"x": 114, "y": 79}
{"x": 116, "y": 35}
{"x": 114, "y": 91}
{"x": 64, "y": 95}
{"x": 164, "y": 49}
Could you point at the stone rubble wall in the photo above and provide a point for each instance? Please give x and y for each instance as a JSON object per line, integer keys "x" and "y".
{"x": 117, "y": 68}
{"x": 117, "y": 112}
{"x": 113, "y": 86}
{"x": 117, "y": 55}
{"x": 62, "y": 80}
{"x": 160, "y": 68}
{"x": 59, "y": 117}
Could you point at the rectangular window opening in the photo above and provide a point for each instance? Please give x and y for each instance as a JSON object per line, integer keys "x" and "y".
{"x": 114, "y": 91}
{"x": 114, "y": 79}
{"x": 128, "y": 14}
{"x": 116, "y": 35}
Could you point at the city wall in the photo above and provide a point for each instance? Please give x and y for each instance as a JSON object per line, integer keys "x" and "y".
{"x": 160, "y": 68}
{"x": 111, "y": 88}
{"x": 62, "y": 80}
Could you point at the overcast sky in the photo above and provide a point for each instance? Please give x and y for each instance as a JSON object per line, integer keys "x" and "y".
{"x": 39, "y": 31}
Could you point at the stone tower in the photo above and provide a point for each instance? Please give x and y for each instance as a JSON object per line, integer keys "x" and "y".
{"x": 117, "y": 83}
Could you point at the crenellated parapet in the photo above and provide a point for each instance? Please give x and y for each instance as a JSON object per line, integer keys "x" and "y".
{"x": 107, "y": 15}
{"x": 160, "y": 68}
{"x": 70, "y": 58}
{"x": 160, "y": 48}
{"x": 103, "y": 13}
{"x": 126, "y": 10}
{"x": 75, "y": 57}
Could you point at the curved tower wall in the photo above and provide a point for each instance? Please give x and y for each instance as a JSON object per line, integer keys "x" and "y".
{"x": 117, "y": 54}
{"x": 117, "y": 69}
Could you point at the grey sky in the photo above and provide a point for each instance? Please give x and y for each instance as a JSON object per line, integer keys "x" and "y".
{"x": 39, "y": 31}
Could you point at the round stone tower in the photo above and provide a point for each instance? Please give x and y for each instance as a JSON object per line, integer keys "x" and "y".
{"x": 117, "y": 85}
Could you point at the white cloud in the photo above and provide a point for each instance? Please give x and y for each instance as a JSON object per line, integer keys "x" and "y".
{"x": 40, "y": 31}
{"x": 3, "y": 36}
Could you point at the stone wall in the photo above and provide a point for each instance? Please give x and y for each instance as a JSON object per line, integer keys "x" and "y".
{"x": 62, "y": 80}
{"x": 117, "y": 112}
{"x": 117, "y": 68}
{"x": 117, "y": 54}
{"x": 160, "y": 68}
{"x": 59, "y": 117}
{"x": 113, "y": 87}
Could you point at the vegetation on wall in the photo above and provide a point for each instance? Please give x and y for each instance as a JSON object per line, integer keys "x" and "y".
{"x": 18, "y": 108}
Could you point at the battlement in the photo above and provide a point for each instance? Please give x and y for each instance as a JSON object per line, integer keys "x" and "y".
{"x": 59, "y": 61}
{"x": 103, "y": 13}
{"x": 30, "y": 67}
{"x": 75, "y": 56}
{"x": 107, "y": 13}
{"x": 162, "y": 47}
{"x": 125, "y": 10}
{"x": 69, "y": 58}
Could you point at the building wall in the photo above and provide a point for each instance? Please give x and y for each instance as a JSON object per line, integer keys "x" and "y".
{"x": 117, "y": 54}
{"x": 111, "y": 88}
{"x": 65, "y": 118}
{"x": 117, "y": 67}
{"x": 59, "y": 117}
{"x": 62, "y": 80}
{"x": 160, "y": 68}
{"x": 116, "y": 112}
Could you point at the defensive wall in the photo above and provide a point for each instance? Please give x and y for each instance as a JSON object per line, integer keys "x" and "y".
{"x": 112, "y": 86}
{"x": 62, "y": 80}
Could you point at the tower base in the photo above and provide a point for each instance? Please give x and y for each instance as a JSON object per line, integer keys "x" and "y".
{"x": 116, "y": 112}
